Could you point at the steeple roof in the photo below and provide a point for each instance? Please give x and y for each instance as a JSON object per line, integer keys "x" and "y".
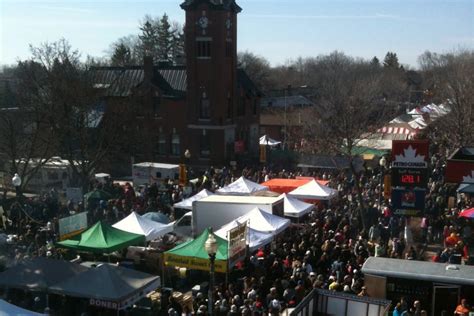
{"x": 228, "y": 5}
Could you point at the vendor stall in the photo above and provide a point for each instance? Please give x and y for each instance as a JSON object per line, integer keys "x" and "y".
{"x": 314, "y": 191}
{"x": 295, "y": 208}
{"x": 108, "y": 286}
{"x": 136, "y": 224}
{"x": 102, "y": 238}
{"x": 264, "y": 222}
{"x": 188, "y": 203}
{"x": 255, "y": 238}
{"x": 288, "y": 185}
{"x": 242, "y": 186}
{"x": 192, "y": 254}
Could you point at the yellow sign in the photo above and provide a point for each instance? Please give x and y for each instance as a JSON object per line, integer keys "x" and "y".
{"x": 263, "y": 153}
{"x": 182, "y": 174}
{"x": 387, "y": 187}
{"x": 194, "y": 263}
{"x": 71, "y": 234}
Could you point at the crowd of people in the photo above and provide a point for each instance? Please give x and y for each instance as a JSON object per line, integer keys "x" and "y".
{"x": 326, "y": 250}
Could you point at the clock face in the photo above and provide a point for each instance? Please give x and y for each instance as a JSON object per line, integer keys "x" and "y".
{"x": 228, "y": 24}
{"x": 203, "y": 22}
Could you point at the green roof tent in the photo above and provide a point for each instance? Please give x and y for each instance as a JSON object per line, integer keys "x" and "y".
{"x": 192, "y": 254}
{"x": 102, "y": 238}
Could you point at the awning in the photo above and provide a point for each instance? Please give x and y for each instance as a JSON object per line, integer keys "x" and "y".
{"x": 188, "y": 203}
{"x": 314, "y": 191}
{"x": 39, "y": 274}
{"x": 102, "y": 238}
{"x": 267, "y": 141}
{"x": 264, "y": 222}
{"x": 192, "y": 254}
{"x": 137, "y": 224}
{"x": 466, "y": 188}
{"x": 255, "y": 238}
{"x": 294, "y": 207}
{"x": 288, "y": 185}
{"x": 242, "y": 186}
{"x": 116, "y": 287}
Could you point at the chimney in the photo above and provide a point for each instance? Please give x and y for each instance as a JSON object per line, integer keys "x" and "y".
{"x": 148, "y": 67}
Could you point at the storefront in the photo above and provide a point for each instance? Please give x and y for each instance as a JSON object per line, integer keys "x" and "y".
{"x": 438, "y": 286}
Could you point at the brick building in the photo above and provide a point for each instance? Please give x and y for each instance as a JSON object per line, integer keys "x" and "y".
{"x": 207, "y": 106}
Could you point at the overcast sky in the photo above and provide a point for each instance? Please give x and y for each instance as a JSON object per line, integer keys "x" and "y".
{"x": 275, "y": 29}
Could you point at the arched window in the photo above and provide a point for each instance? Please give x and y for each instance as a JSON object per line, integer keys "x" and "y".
{"x": 204, "y": 111}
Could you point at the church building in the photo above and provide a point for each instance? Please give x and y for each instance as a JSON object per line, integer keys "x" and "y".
{"x": 207, "y": 107}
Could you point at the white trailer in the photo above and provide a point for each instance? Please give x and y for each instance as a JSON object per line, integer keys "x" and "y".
{"x": 217, "y": 210}
{"x": 152, "y": 172}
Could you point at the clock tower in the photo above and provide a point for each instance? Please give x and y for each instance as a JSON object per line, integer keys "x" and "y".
{"x": 211, "y": 68}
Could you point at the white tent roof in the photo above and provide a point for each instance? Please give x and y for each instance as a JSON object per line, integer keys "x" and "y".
{"x": 267, "y": 141}
{"x": 188, "y": 203}
{"x": 7, "y": 309}
{"x": 242, "y": 186}
{"x": 294, "y": 207}
{"x": 255, "y": 238}
{"x": 136, "y": 224}
{"x": 313, "y": 191}
{"x": 264, "y": 222}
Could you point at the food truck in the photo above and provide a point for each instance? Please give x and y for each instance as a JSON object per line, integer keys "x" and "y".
{"x": 438, "y": 286}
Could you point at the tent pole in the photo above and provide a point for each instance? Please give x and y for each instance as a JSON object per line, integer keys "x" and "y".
{"x": 162, "y": 270}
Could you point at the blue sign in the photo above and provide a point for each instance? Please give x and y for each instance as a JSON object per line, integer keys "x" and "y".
{"x": 408, "y": 201}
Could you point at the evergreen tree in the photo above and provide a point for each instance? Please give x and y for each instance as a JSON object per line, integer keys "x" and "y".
{"x": 391, "y": 61}
{"x": 375, "y": 62}
{"x": 164, "y": 39}
{"x": 122, "y": 55}
{"x": 177, "y": 44}
{"x": 149, "y": 39}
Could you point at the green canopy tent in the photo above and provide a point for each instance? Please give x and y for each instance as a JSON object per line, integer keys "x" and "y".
{"x": 93, "y": 197}
{"x": 102, "y": 238}
{"x": 192, "y": 254}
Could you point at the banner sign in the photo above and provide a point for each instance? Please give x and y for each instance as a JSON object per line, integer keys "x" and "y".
{"x": 459, "y": 171}
{"x": 263, "y": 153}
{"x": 194, "y": 263}
{"x": 410, "y": 153}
{"x": 72, "y": 225}
{"x": 237, "y": 244}
{"x": 387, "y": 186}
{"x": 408, "y": 201}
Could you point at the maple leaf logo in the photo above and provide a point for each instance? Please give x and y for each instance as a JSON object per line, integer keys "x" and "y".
{"x": 409, "y": 155}
{"x": 410, "y": 158}
{"x": 469, "y": 178}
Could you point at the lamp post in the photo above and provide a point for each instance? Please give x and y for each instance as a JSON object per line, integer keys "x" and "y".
{"x": 383, "y": 164}
{"x": 16, "y": 181}
{"x": 211, "y": 249}
{"x": 187, "y": 156}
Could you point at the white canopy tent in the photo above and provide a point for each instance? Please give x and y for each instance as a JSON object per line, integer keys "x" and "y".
{"x": 188, "y": 203}
{"x": 267, "y": 141}
{"x": 313, "y": 191}
{"x": 255, "y": 238}
{"x": 294, "y": 207}
{"x": 242, "y": 186}
{"x": 264, "y": 222}
{"x": 136, "y": 224}
{"x": 7, "y": 309}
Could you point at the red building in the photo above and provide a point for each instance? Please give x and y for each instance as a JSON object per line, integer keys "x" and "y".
{"x": 207, "y": 106}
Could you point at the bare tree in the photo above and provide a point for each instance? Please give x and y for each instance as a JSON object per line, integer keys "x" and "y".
{"x": 83, "y": 133}
{"x": 351, "y": 108}
{"x": 450, "y": 78}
